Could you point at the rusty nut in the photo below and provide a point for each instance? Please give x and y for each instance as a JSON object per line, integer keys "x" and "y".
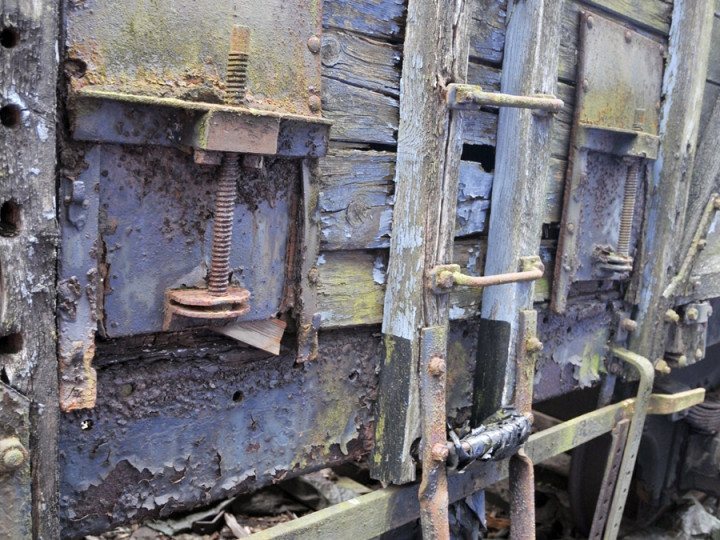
{"x": 12, "y": 455}
{"x": 692, "y": 314}
{"x": 436, "y": 366}
{"x": 440, "y": 452}
{"x": 671, "y": 316}
{"x": 533, "y": 344}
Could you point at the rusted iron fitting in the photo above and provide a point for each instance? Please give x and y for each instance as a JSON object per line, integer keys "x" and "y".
{"x": 12, "y": 455}
{"x": 628, "y": 325}
{"x": 499, "y": 437}
{"x": 440, "y": 452}
{"x": 533, "y": 345}
{"x": 671, "y": 316}
{"x": 436, "y": 366}
{"x": 445, "y": 277}
{"x": 468, "y": 96}
{"x": 237, "y": 66}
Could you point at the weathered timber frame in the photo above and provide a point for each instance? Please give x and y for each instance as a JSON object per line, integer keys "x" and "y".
{"x": 428, "y": 157}
{"x": 522, "y": 168}
{"x": 28, "y": 239}
{"x": 683, "y": 86}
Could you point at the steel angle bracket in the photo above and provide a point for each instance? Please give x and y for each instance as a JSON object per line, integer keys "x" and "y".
{"x": 615, "y": 127}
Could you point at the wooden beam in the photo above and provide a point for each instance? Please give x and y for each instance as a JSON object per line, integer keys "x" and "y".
{"x": 28, "y": 239}
{"x": 660, "y": 254}
{"x": 428, "y": 158}
{"x": 522, "y": 169}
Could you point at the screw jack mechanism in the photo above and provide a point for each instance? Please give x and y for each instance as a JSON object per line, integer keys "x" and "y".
{"x": 220, "y": 300}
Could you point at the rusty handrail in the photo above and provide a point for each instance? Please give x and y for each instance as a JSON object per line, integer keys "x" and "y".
{"x": 445, "y": 277}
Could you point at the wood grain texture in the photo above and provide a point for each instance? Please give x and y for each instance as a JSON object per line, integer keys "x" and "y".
{"x": 27, "y": 247}
{"x": 683, "y": 85}
{"x": 426, "y": 178}
{"x": 522, "y": 165}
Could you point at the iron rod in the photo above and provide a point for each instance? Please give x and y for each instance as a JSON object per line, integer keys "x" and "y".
{"x": 468, "y": 96}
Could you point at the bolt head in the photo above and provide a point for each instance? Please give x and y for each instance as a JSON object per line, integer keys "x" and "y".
{"x": 682, "y": 361}
{"x": 12, "y": 455}
{"x": 314, "y": 103}
{"x": 436, "y": 366}
{"x": 570, "y": 228}
{"x": 671, "y": 316}
{"x": 440, "y": 452}
{"x": 314, "y": 44}
{"x": 716, "y": 203}
{"x": 585, "y": 85}
{"x": 692, "y": 314}
{"x": 629, "y": 325}
{"x": 628, "y": 36}
{"x": 661, "y": 366}
{"x": 590, "y": 22}
{"x": 533, "y": 344}
{"x": 699, "y": 353}
{"x": 702, "y": 244}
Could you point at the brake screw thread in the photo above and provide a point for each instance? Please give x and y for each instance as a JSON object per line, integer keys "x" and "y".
{"x": 223, "y": 227}
{"x": 237, "y": 66}
{"x": 628, "y": 209}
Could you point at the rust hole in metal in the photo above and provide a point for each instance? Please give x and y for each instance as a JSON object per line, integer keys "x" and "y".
{"x": 9, "y": 218}
{"x": 87, "y": 424}
{"x": 11, "y": 344}
{"x": 10, "y": 115}
{"x": 9, "y": 37}
{"x": 238, "y": 396}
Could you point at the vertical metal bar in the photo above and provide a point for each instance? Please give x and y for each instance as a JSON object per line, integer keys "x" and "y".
{"x": 647, "y": 375}
{"x": 433, "y": 493}
{"x": 522, "y": 474}
{"x": 610, "y": 476}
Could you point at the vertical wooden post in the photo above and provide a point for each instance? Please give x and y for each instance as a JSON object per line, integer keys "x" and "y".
{"x": 521, "y": 171}
{"x": 28, "y": 237}
{"x": 683, "y": 85}
{"x": 426, "y": 184}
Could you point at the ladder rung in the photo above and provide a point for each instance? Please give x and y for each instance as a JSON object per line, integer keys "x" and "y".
{"x": 468, "y": 96}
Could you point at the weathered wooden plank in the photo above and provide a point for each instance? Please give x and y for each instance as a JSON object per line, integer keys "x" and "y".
{"x": 376, "y": 18}
{"x": 712, "y": 91}
{"x": 28, "y": 239}
{"x": 429, "y": 149}
{"x": 361, "y": 61}
{"x": 351, "y": 287}
{"x": 683, "y": 85}
{"x": 359, "y": 114}
{"x": 714, "y": 60}
{"x": 487, "y": 31}
{"x": 521, "y": 172}
{"x": 651, "y": 15}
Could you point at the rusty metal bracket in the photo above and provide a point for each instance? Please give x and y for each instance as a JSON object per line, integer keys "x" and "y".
{"x": 443, "y": 278}
{"x": 642, "y": 402}
{"x": 469, "y": 97}
{"x": 433, "y": 493}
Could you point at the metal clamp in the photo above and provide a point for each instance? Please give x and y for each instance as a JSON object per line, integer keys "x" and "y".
{"x": 444, "y": 277}
{"x": 469, "y": 97}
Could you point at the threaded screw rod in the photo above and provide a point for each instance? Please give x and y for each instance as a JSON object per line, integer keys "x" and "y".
{"x": 628, "y": 209}
{"x": 237, "y": 66}
{"x": 225, "y": 196}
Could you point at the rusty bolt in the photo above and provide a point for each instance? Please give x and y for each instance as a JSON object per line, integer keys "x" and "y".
{"x": 314, "y": 103}
{"x": 716, "y": 203}
{"x": 661, "y": 366}
{"x": 436, "y": 366}
{"x": 702, "y": 244}
{"x": 590, "y": 22}
{"x": 533, "y": 344}
{"x": 13, "y": 454}
{"x": 671, "y": 316}
{"x": 699, "y": 353}
{"x": 313, "y": 275}
{"x": 692, "y": 314}
{"x": 570, "y": 228}
{"x": 682, "y": 361}
{"x": 628, "y": 325}
{"x": 628, "y": 36}
{"x": 314, "y": 44}
{"x": 585, "y": 85}
{"x": 439, "y": 452}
